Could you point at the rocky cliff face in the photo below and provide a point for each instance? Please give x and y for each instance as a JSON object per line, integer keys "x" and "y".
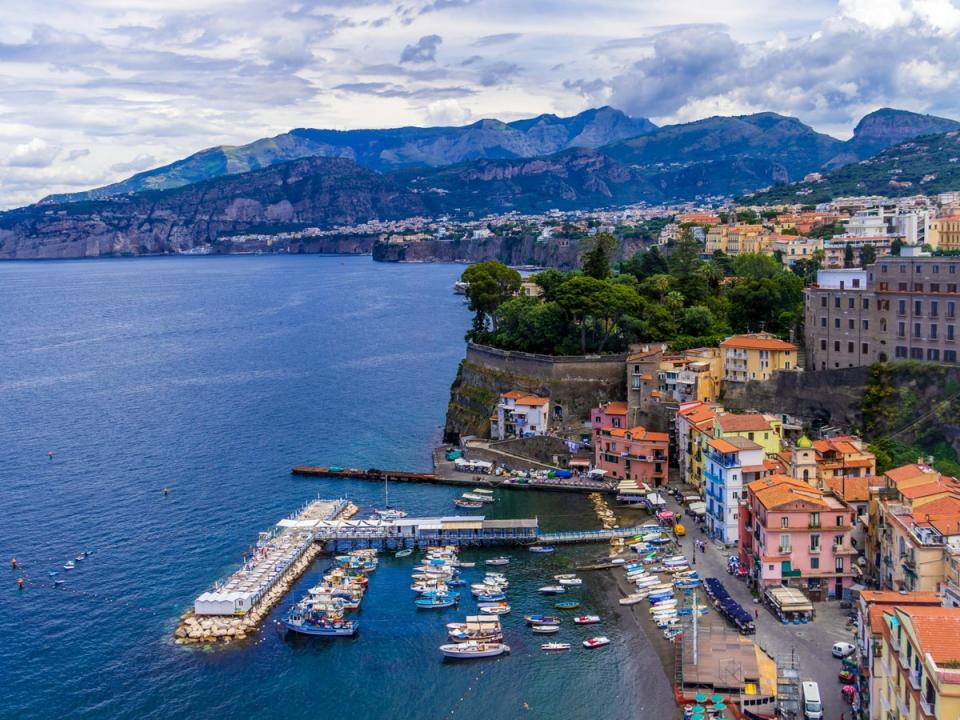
{"x": 887, "y": 127}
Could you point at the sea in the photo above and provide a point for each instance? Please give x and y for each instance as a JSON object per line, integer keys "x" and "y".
{"x": 212, "y": 377}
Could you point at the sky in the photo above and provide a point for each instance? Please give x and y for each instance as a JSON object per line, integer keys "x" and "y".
{"x": 92, "y": 91}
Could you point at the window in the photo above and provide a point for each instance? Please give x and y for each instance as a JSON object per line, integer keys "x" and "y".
{"x": 933, "y": 331}
{"x": 902, "y": 307}
{"x": 934, "y": 308}
{"x": 840, "y": 524}
{"x": 918, "y": 307}
{"x": 865, "y": 349}
{"x": 823, "y": 322}
{"x": 933, "y": 355}
{"x": 836, "y": 301}
{"x": 866, "y": 324}
{"x": 814, "y": 563}
{"x": 856, "y": 283}
{"x": 952, "y": 269}
{"x": 901, "y": 329}
{"x": 836, "y": 323}
{"x": 836, "y": 346}
{"x": 950, "y": 356}
{"x": 883, "y": 268}
{"x": 902, "y": 287}
{"x": 951, "y": 309}
{"x": 936, "y": 269}
{"x": 918, "y": 287}
{"x": 849, "y": 347}
{"x": 784, "y": 522}
{"x": 903, "y": 268}
{"x": 866, "y": 303}
{"x": 823, "y": 344}
{"x": 851, "y": 324}
{"x": 950, "y": 331}
{"x": 916, "y": 330}
{"x": 823, "y": 301}
{"x": 839, "y": 564}
{"x": 815, "y": 542}
{"x": 784, "y": 543}
{"x": 916, "y": 353}
{"x": 934, "y": 287}
{"x": 900, "y": 352}
{"x": 851, "y": 303}
{"x": 815, "y": 519}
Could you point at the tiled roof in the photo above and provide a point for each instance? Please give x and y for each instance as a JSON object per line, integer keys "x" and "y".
{"x": 896, "y": 598}
{"x": 937, "y": 630}
{"x": 779, "y": 490}
{"x": 746, "y": 422}
{"x": 757, "y": 342}
{"x": 851, "y": 489}
{"x": 532, "y": 401}
{"x": 924, "y": 489}
{"x": 513, "y": 394}
{"x": 698, "y": 414}
{"x": 909, "y": 472}
{"x": 614, "y": 407}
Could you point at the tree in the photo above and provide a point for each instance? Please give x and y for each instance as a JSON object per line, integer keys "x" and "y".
{"x": 722, "y": 262}
{"x": 596, "y": 262}
{"x": 549, "y": 280}
{"x": 491, "y": 283}
{"x": 868, "y": 255}
{"x": 645, "y": 263}
{"x": 896, "y": 246}
{"x": 848, "y": 255}
{"x": 696, "y": 320}
{"x": 580, "y": 298}
{"x": 756, "y": 266}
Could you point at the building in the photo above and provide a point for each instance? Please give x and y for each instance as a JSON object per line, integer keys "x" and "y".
{"x": 943, "y": 233}
{"x": 756, "y": 357}
{"x": 628, "y": 453}
{"x": 642, "y": 366}
{"x": 731, "y": 463}
{"x": 691, "y": 376}
{"x": 737, "y": 239}
{"x": 902, "y": 308}
{"x": 920, "y": 660}
{"x": 794, "y": 534}
{"x": 793, "y": 247}
{"x": 820, "y": 461}
{"x": 765, "y": 430}
{"x": 693, "y": 427}
{"x": 519, "y": 414}
{"x": 915, "y": 543}
{"x": 837, "y": 248}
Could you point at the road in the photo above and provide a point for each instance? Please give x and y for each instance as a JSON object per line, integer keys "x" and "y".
{"x": 810, "y": 642}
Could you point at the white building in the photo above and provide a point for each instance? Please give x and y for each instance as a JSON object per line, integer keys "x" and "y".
{"x": 731, "y": 464}
{"x": 519, "y": 414}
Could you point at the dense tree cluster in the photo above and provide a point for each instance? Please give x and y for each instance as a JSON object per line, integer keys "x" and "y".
{"x": 674, "y": 297}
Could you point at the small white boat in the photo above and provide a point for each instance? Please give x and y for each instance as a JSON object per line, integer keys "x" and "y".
{"x": 545, "y": 629}
{"x": 586, "y": 619}
{"x": 500, "y": 609}
{"x": 555, "y": 646}
{"x": 596, "y": 642}
{"x": 390, "y": 514}
{"x": 552, "y": 590}
{"x": 482, "y": 491}
{"x": 477, "y": 498}
{"x": 617, "y": 561}
{"x": 573, "y": 582}
{"x": 467, "y": 650}
{"x": 632, "y": 599}
{"x": 564, "y": 576}
{"x": 69, "y": 565}
{"x": 404, "y": 553}
{"x": 468, "y": 564}
{"x": 541, "y": 549}
{"x": 498, "y": 561}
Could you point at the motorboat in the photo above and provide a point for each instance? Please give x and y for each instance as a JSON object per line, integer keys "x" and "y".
{"x": 466, "y": 503}
{"x": 555, "y": 646}
{"x": 542, "y": 549}
{"x": 468, "y": 650}
{"x": 542, "y": 619}
{"x": 545, "y": 629}
{"x": 571, "y": 582}
{"x": 304, "y": 619}
{"x": 476, "y": 497}
{"x": 468, "y": 564}
{"x": 491, "y": 597}
{"x": 586, "y": 620}
{"x": 406, "y": 552}
{"x": 440, "y": 593}
{"x": 564, "y": 576}
{"x": 499, "y": 609}
{"x": 482, "y": 491}
{"x": 69, "y": 565}
{"x": 498, "y": 561}
{"x": 596, "y": 642}
{"x": 436, "y": 603}
{"x": 390, "y": 514}
{"x": 632, "y": 599}
{"x": 567, "y": 605}
{"x": 552, "y": 590}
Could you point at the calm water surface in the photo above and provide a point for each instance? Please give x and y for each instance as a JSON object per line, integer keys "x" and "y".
{"x": 213, "y": 376}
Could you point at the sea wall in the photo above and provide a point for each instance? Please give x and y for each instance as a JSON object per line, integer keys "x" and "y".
{"x": 574, "y": 384}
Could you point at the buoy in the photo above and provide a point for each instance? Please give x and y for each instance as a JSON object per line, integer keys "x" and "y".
{"x": 13, "y": 563}
{"x": 50, "y": 454}
{"x": 166, "y": 491}
{"x": 20, "y": 584}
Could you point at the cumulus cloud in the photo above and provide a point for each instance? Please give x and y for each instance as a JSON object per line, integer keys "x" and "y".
{"x": 424, "y": 50}
{"x": 77, "y": 154}
{"x": 448, "y": 112}
{"x": 37, "y": 153}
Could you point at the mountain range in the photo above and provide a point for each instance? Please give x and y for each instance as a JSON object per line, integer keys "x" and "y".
{"x": 321, "y": 178}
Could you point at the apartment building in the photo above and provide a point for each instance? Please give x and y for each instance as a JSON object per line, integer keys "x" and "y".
{"x": 943, "y": 233}
{"x": 756, "y": 356}
{"x": 900, "y": 308}
{"x": 694, "y": 427}
{"x": 519, "y": 414}
{"x": 730, "y": 465}
{"x": 633, "y": 453}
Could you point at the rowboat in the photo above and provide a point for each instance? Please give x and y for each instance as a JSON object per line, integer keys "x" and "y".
{"x": 632, "y": 599}
{"x": 567, "y": 605}
{"x": 586, "y": 619}
{"x": 468, "y": 564}
{"x": 498, "y": 561}
{"x": 542, "y": 619}
{"x": 555, "y": 646}
{"x": 545, "y": 629}
{"x": 491, "y": 597}
{"x": 552, "y": 590}
{"x": 468, "y": 650}
{"x": 404, "y": 553}
{"x": 596, "y": 642}
{"x": 435, "y": 603}
{"x": 69, "y": 565}
{"x": 501, "y": 609}
{"x": 564, "y": 576}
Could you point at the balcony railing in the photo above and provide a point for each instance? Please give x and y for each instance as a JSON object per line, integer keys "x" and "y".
{"x": 902, "y": 707}
{"x": 784, "y": 550}
{"x": 914, "y": 679}
{"x": 816, "y": 550}
{"x": 929, "y": 708}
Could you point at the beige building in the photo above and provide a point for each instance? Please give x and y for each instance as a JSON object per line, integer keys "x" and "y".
{"x": 756, "y": 356}
{"x": 943, "y": 233}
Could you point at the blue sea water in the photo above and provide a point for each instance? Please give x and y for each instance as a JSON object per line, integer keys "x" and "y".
{"x": 212, "y": 377}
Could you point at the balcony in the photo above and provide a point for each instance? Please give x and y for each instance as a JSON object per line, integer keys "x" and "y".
{"x": 902, "y": 657}
{"x": 815, "y": 550}
{"x": 784, "y": 551}
{"x": 813, "y": 525}
{"x": 902, "y": 707}
{"x": 909, "y": 562}
{"x": 844, "y": 549}
{"x": 914, "y": 677}
{"x": 929, "y": 708}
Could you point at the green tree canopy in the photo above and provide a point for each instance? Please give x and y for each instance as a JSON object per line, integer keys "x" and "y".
{"x": 491, "y": 284}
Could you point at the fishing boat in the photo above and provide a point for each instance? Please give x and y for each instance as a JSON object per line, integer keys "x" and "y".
{"x": 498, "y": 561}
{"x": 440, "y": 593}
{"x": 406, "y": 552}
{"x": 69, "y": 565}
{"x": 586, "y": 620}
{"x": 53, "y": 573}
{"x": 552, "y": 590}
{"x": 542, "y": 619}
{"x": 571, "y": 582}
{"x": 567, "y": 605}
{"x": 305, "y": 620}
{"x": 477, "y": 497}
{"x": 468, "y": 650}
{"x": 555, "y": 646}
{"x": 465, "y": 503}
{"x": 632, "y": 599}
{"x": 390, "y": 514}
{"x": 596, "y": 642}
{"x": 436, "y": 603}
{"x": 545, "y": 629}
{"x": 542, "y": 549}
{"x": 500, "y": 609}
{"x": 81, "y": 557}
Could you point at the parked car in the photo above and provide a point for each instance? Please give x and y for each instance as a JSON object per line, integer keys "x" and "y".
{"x": 842, "y": 649}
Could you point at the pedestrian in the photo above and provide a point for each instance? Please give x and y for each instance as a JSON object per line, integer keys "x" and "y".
{"x": 756, "y": 615}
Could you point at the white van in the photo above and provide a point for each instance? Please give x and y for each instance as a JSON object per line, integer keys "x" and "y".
{"x": 812, "y": 707}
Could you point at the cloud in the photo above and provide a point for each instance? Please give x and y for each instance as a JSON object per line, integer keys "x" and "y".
{"x": 140, "y": 162}
{"x": 390, "y": 90}
{"x": 448, "y": 112}
{"x": 498, "y": 73}
{"x": 424, "y": 50}
{"x": 499, "y": 39}
{"x": 76, "y": 154}
{"x": 436, "y": 5}
{"x": 37, "y": 153}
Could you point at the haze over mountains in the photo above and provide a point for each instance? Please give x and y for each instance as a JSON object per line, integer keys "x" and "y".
{"x": 322, "y": 178}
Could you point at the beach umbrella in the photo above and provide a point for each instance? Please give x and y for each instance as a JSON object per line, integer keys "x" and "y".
{"x": 700, "y": 697}
{"x": 718, "y": 706}
{"x": 716, "y": 698}
{"x": 699, "y": 709}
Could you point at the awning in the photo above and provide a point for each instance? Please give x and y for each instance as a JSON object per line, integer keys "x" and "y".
{"x": 579, "y": 462}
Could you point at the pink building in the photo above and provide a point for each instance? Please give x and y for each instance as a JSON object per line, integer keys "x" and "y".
{"x": 628, "y": 453}
{"x": 793, "y": 534}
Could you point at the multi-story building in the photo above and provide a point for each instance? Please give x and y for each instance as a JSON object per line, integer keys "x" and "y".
{"x": 915, "y": 543}
{"x": 642, "y": 366}
{"x": 691, "y": 376}
{"x": 837, "y": 249}
{"x": 756, "y": 356}
{"x": 765, "y": 430}
{"x": 736, "y": 239}
{"x": 628, "y": 453}
{"x": 820, "y": 461}
{"x": 920, "y": 657}
{"x": 731, "y": 463}
{"x": 694, "y": 427}
{"x": 943, "y": 233}
{"x": 899, "y": 308}
{"x": 793, "y": 534}
{"x": 793, "y": 248}
{"x": 519, "y": 414}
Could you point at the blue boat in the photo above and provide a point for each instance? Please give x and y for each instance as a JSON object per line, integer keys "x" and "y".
{"x": 436, "y": 603}
{"x": 542, "y": 549}
{"x": 542, "y": 619}
{"x": 439, "y": 594}
{"x": 305, "y": 621}
{"x": 491, "y": 597}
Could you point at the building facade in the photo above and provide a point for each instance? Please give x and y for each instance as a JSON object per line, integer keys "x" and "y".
{"x": 519, "y": 414}
{"x": 730, "y": 465}
{"x": 628, "y": 453}
{"x": 756, "y": 356}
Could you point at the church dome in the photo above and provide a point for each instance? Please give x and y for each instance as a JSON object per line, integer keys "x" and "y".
{"x": 804, "y": 442}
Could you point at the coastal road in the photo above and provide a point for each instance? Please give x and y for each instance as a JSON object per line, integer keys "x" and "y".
{"x": 810, "y": 642}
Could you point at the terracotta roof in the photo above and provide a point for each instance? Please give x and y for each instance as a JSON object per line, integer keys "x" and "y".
{"x": 532, "y": 400}
{"x": 851, "y": 489}
{"x": 746, "y": 422}
{"x": 772, "y": 480}
{"x": 949, "y": 505}
{"x": 614, "y": 407}
{"x": 646, "y": 376}
{"x": 721, "y": 445}
{"x": 909, "y": 472}
{"x": 896, "y": 598}
{"x": 698, "y": 414}
{"x": 514, "y": 394}
{"x": 779, "y": 490}
{"x": 937, "y": 630}
{"x": 757, "y": 342}
{"x": 924, "y": 489}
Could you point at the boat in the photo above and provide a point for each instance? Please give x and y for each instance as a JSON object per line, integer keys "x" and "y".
{"x": 491, "y": 597}
{"x": 552, "y": 590}
{"x": 498, "y": 561}
{"x": 468, "y": 650}
{"x": 407, "y": 552}
{"x": 567, "y": 605}
{"x": 304, "y": 620}
{"x": 482, "y": 491}
{"x": 436, "y": 603}
{"x": 542, "y": 619}
{"x": 460, "y": 287}
{"x": 69, "y": 565}
{"x": 555, "y": 646}
{"x": 632, "y": 599}
{"x": 468, "y": 564}
{"x": 81, "y": 557}
{"x": 390, "y": 514}
{"x": 564, "y": 576}
{"x": 542, "y": 549}
{"x": 500, "y": 609}
{"x": 461, "y": 502}
{"x": 596, "y": 642}
{"x": 57, "y": 583}
{"x": 586, "y": 619}
{"x": 477, "y": 498}
{"x": 545, "y": 629}
{"x": 53, "y": 573}
{"x": 571, "y": 582}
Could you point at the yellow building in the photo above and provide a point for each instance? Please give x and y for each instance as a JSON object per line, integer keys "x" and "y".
{"x": 920, "y": 658}
{"x": 737, "y": 239}
{"x": 915, "y": 543}
{"x": 690, "y": 376}
{"x": 765, "y": 430}
{"x": 756, "y": 357}
{"x": 694, "y": 427}
{"x": 943, "y": 233}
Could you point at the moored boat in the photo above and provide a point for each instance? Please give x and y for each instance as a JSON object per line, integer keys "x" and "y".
{"x": 632, "y": 599}
{"x": 464, "y": 503}
{"x": 69, "y": 565}
{"x": 542, "y": 549}
{"x": 555, "y": 646}
{"x": 545, "y": 629}
{"x": 406, "y": 552}
{"x": 436, "y": 603}
{"x": 567, "y": 605}
{"x": 542, "y": 619}
{"x": 571, "y": 582}
{"x": 468, "y": 650}
{"x": 596, "y": 642}
{"x": 501, "y": 560}
{"x": 586, "y": 619}
{"x": 475, "y": 497}
{"x": 500, "y": 609}
{"x": 552, "y": 590}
